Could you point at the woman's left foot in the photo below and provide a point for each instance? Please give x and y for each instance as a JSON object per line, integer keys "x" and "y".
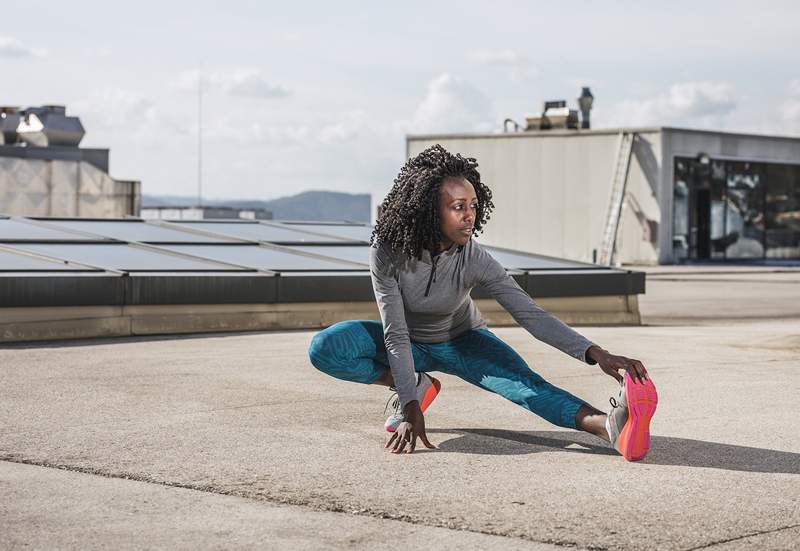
{"x": 628, "y": 423}
{"x": 617, "y": 417}
{"x": 427, "y": 389}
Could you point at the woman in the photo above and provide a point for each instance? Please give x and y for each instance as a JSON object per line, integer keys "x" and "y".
{"x": 423, "y": 265}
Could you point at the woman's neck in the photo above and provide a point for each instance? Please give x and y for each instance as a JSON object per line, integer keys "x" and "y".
{"x": 440, "y": 247}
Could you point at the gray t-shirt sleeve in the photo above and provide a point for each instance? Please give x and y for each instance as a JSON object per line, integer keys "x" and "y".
{"x": 537, "y": 321}
{"x": 395, "y": 330}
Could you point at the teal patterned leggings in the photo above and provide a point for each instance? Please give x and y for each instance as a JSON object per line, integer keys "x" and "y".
{"x": 354, "y": 350}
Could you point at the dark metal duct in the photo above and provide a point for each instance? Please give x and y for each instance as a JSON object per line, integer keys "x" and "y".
{"x": 9, "y": 120}
{"x": 585, "y": 102}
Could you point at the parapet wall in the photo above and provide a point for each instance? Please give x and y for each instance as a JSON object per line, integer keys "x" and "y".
{"x": 80, "y": 322}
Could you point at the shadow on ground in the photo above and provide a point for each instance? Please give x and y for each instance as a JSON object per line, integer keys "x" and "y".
{"x": 664, "y": 450}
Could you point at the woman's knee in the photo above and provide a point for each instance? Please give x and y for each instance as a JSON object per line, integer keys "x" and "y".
{"x": 333, "y": 348}
{"x": 321, "y": 349}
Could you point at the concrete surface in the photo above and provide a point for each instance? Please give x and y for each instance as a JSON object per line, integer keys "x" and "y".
{"x": 704, "y": 298}
{"x": 235, "y": 440}
{"x": 78, "y": 510}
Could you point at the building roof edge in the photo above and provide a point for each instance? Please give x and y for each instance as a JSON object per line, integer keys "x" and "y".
{"x": 590, "y": 132}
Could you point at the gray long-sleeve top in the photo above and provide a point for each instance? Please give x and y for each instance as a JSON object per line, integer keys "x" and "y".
{"x": 429, "y": 301}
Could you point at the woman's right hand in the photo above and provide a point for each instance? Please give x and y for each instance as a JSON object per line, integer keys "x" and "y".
{"x": 408, "y": 431}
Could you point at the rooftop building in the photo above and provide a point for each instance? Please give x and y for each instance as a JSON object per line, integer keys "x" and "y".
{"x": 657, "y": 195}
{"x": 44, "y": 172}
{"x": 204, "y": 213}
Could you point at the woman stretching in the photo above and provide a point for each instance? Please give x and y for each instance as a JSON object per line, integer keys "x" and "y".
{"x": 423, "y": 266}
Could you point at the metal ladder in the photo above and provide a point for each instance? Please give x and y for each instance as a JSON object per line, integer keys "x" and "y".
{"x": 618, "y": 184}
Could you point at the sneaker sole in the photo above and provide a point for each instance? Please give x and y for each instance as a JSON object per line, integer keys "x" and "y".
{"x": 634, "y": 439}
{"x": 430, "y": 395}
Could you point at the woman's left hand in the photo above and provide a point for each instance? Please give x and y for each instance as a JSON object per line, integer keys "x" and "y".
{"x": 611, "y": 364}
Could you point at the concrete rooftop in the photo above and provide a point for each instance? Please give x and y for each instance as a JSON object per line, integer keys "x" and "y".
{"x": 235, "y": 440}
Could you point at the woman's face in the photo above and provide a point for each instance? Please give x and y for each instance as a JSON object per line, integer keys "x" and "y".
{"x": 458, "y": 207}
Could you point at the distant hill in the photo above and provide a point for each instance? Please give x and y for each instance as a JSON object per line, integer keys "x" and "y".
{"x": 310, "y": 205}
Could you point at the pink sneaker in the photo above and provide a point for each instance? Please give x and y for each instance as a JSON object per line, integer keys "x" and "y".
{"x": 427, "y": 390}
{"x": 628, "y": 424}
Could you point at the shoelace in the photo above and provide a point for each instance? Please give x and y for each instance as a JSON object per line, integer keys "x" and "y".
{"x": 395, "y": 404}
{"x": 613, "y": 402}
{"x": 396, "y": 396}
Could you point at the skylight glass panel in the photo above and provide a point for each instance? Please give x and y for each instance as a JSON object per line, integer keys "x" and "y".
{"x": 354, "y": 232}
{"x": 13, "y": 262}
{"x": 260, "y": 257}
{"x": 254, "y": 231}
{"x": 135, "y": 231}
{"x": 16, "y": 230}
{"x": 352, "y": 253}
{"x": 123, "y": 257}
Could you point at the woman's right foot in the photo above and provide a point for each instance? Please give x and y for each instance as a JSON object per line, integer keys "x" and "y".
{"x": 628, "y": 423}
{"x": 427, "y": 390}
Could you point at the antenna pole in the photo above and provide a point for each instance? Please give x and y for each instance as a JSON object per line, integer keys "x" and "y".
{"x": 199, "y": 139}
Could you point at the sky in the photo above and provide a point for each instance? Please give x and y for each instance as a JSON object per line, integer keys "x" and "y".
{"x": 320, "y": 95}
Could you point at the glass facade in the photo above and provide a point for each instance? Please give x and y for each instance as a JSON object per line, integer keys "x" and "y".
{"x": 734, "y": 210}
{"x": 782, "y": 211}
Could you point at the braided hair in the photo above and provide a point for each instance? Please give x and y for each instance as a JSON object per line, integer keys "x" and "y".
{"x": 409, "y": 220}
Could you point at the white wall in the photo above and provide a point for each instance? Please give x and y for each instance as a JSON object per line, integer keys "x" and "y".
{"x": 641, "y": 223}
{"x": 178, "y": 213}
{"x": 34, "y": 187}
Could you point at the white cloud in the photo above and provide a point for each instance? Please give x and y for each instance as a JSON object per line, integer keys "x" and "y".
{"x": 516, "y": 63}
{"x": 11, "y": 47}
{"x": 278, "y": 135}
{"x": 452, "y": 105}
{"x": 497, "y": 57}
{"x": 110, "y": 114}
{"x": 251, "y": 83}
{"x": 702, "y": 103}
{"x": 186, "y": 81}
{"x": 289, "y": 36}
{"x": 353, "y": 125}
{"x": 247, "y": 129}
{"x": 114, "y": 108}
{"x": 794, "y": 87}
{"x": 790, "y": 107}
{"x": 243, "y": 82}
{"x": 701, "y": 98}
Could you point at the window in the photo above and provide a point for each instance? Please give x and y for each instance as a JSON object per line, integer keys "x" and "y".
{"x": 735, "y": 210}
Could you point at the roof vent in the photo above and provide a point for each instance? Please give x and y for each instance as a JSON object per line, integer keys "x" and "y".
{"x": 49, "y": 125}
{"x": 556, "y": 114}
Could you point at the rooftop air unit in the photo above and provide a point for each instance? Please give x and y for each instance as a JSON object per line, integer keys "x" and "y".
{"x": 49, "y": 125}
